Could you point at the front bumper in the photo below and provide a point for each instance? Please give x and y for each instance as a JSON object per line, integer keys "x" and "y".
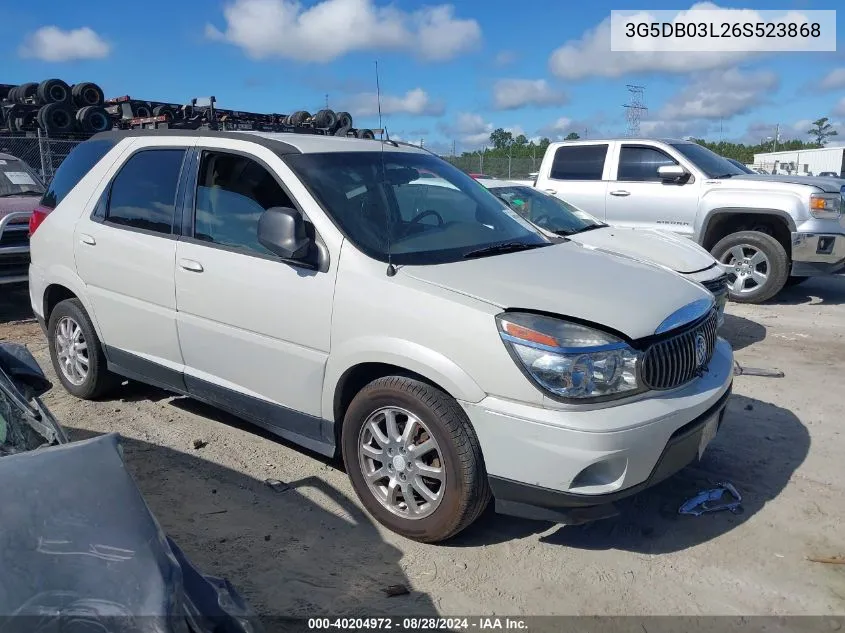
{"x": 819, "y": 253}
{"x": 570, "y": 465}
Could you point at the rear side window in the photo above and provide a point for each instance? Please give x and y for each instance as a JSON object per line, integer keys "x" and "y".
{"x": 82, "y": 158}
{"x": 579, "y": 162}
{"x": 640, "y": 164}
{"x": 143, "y": 194}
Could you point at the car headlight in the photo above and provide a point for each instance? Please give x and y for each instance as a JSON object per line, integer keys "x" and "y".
{"x": 569, "y": 360}
{"x": 826, "y": 206}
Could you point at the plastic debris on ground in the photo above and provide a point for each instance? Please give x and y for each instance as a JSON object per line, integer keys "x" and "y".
{"x": 724, "y": 497}
{"x": 739, "y": 370}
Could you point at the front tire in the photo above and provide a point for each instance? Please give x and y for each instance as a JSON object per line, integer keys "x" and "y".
{"x": 76, "y": 352}
{"x": 759, "y": 265}
{"x": 414, "y": 459}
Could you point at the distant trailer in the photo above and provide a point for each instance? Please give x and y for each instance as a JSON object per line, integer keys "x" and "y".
{"x": 805, "y": 162}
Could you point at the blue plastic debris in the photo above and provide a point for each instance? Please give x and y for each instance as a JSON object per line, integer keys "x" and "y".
{"x": 713, "y": 500}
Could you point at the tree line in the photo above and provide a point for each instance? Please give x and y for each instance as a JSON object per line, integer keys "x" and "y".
{"x": 503, "y": 143}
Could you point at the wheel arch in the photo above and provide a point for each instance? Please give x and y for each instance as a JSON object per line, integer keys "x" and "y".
{"x": 724, "y": 221}
{"x": 365, "y": 360}
{"x": 65, "y": 284}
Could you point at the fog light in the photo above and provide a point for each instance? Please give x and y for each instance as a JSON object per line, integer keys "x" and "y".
{"x": 825, "y": 246}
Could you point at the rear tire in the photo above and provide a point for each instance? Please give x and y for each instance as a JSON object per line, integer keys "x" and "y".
{"x": 759, "y": 265}
{"x": 87, "y": 379}
{"x": 53, "y": 91}
{"x": 455, "y": 493}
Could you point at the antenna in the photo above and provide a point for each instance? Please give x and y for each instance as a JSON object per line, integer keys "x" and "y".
{"x": 391, "y": 269}
{"x": 634, "y": 110}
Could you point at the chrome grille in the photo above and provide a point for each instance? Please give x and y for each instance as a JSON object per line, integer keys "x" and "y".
{"x": 672, "y": 362}
{"x": 716, "y": 286}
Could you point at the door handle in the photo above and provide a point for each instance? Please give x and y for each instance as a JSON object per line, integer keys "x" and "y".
{"x": 87, "y": 239}
{"x": 620, "y": 192}
{"x": 190, "y": 264}
{"x": 551, "y": 191}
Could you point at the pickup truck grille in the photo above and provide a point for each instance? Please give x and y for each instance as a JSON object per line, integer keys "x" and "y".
{"x": 717, "y": 286}
{"x": 676, "y": 360}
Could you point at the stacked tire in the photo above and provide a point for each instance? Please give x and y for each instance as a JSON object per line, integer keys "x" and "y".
{"x": 62, "y": 109}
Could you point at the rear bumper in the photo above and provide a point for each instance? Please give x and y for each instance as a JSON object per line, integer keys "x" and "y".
{"x": 817, "y": 253}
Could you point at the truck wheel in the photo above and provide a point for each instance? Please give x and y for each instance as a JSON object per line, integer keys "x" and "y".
{"x": 76, "y": 352}
{"x": 413, "y": 459}
{"x": 759, "y": 265}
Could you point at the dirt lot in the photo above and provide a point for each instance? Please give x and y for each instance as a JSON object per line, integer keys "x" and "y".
{"x": 311, "y": 549}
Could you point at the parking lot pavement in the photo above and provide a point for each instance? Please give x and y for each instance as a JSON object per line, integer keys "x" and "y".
{"x": 311, "y": 549}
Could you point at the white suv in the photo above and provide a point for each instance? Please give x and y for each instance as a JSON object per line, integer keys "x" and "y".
{"x": 318, "y": 287}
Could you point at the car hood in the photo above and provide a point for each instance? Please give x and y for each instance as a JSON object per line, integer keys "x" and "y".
{"x": 660, "y": 247}
{"x": 829, "y": 185}
{"x": 18, "y": 203}
{"x": 570, "y": 280}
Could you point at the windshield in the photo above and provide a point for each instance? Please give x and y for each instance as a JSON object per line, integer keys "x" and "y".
{"x": 740, "y": 166}
{"x": 546, "y": 211}
{"x": 713, "y": 165}
{"x": 16, "y": 179}
{"x": 428, "y": 211}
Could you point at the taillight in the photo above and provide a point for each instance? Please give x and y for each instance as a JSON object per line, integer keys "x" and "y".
{"x": 37, "y": 217}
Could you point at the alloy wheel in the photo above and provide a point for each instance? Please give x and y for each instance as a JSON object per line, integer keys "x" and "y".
{"x": 402, "y": 463}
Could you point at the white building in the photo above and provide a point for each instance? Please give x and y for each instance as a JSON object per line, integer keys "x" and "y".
{"x": 805, "y": 162}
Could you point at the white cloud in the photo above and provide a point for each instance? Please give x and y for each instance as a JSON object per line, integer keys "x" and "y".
{"x": 332, "y": 28}
{"x": 469, "y": 128}
{"x": 414, "y": 101}
{"x": 720, "y": 94}
{"x": 839, "y": 108}
{"x": 511, "y": 94}
{"x": 558, "y": 129}
{"x": 504, "y": 58}
{"x": 659, "y": 128}
{"x": 591, "y": 56}
{"x": 765, "y": 130}
{"x": 52, "y": 44}
{"x": 834, "y": 80}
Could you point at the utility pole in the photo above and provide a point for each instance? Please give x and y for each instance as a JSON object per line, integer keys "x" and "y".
{"x": 634, "y": 109}
{"x": 585, "y": 133}
{"x": 327, "y": 101}
{"x": 721, "y": 137}
{"x": 453, "y": 148}
{"x": 777, "y": 134}
{"x": 421, "y": 143}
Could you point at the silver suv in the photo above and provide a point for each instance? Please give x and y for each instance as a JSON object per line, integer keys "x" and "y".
{"x": 318, "y": 287}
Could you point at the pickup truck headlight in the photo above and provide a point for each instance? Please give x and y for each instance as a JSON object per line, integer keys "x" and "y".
{"x": 826, "y": 206}
{"x": 570, "y": 361}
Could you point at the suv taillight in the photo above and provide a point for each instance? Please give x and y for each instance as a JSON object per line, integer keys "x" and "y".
{"x": 37, "y": 217}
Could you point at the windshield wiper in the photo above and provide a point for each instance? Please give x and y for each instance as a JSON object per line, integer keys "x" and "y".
{"x": 725, "y": 176}
{"x": 589, "y": 227}
{"x": 503, "y": 247}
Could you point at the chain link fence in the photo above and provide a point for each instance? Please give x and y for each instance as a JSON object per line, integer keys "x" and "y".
{"x": 42, "y": 154}
{"x": 515, "y": 167}
{"x": 45, "y": 154}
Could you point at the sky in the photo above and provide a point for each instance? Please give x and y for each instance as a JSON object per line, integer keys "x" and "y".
{"x": 448, "y": 73}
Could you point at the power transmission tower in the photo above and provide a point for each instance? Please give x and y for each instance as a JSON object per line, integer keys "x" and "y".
{"x": 634, "y": 109}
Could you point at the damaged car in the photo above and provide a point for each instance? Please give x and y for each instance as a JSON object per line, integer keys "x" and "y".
{"x": 83, "y": 550}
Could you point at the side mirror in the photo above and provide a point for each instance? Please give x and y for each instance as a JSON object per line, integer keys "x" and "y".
{"x": 282, "y": 231}
{"x": 671, "y": 172}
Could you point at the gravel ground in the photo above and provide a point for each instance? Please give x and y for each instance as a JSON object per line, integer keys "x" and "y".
{"x": 312, "y": 550}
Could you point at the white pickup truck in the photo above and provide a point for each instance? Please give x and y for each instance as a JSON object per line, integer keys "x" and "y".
{"x": 770, "y": 231}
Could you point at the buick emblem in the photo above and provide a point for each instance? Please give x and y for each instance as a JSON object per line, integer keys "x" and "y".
{"x": 700, "y": 350}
